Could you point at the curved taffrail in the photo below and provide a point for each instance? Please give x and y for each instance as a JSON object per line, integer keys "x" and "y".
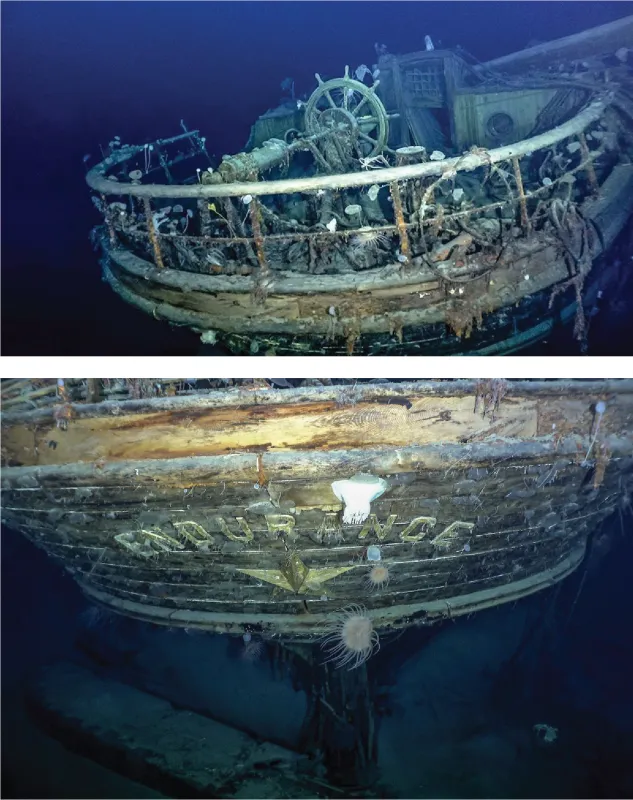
{"x": 222, "y": 249}
{"x": 98, "y": 181}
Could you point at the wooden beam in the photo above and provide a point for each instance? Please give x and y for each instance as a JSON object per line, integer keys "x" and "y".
{"x": 262, "y": 429}
{"x": 601, "y": 39}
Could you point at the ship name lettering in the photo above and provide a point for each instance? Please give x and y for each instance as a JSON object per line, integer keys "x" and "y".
{"x": 381, "y": 531}
{"x": 285, "y": 524}
{"x": 282, "y": 523}
{"x": 244, "y": 527}
{"x": 407, "y": 535}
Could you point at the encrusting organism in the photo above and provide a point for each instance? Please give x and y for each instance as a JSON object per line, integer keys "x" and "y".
{"x": 352, "y": 638}
{"x": 357, "y": 494}
{"x": 378, "y": 577}
{"x": 367, "y": 240}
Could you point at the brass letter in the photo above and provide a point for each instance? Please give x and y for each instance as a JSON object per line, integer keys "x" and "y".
{"x": 192, "y": 532}
{"x": 282, "y": 523}
{"x": 330, "y": 530}
{"x": 449, "y": 535}
{"x": 163, "y": 541}
{"x": 407, "y": 534}
{"x": 248, "y": 533}
{"x": 381, "y": 531}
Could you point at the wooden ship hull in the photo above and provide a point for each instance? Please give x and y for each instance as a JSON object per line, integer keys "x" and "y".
{"x": 223, "y": 509}
{"x": 355, "y": 224}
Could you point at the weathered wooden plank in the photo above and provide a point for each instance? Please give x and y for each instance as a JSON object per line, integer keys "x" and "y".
{"x": 368, "y": 392}
{"x": 255, "y": 533}
{"x": 507, "y": 502}
{"x": 309, "y": 623}
{"x": 96, "y": 179}
{"x": 415, "y": 584}
{"x": 215, "y": 583}
{"x": 264, "y": 429}
{"x": 598, "y": 40}
{"x": 331, "y": 465}
{"x": 209, "y": 571}
{"x": 511, "y": 493}
{"x": 308, "y": 314}
{"x": 215, "y": 548}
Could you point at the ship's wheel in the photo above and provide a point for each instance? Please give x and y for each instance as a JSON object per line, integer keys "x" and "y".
{"x": 351, "y": 108}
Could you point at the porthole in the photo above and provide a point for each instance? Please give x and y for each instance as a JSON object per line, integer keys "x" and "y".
{"x": 500, "y": 126}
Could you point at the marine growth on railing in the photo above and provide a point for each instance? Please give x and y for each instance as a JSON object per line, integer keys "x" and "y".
{"x": 284, "y": 209}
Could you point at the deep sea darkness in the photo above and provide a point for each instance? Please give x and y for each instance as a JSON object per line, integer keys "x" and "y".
{"x": 76, "y": 74}
{"x": 562, "y": 657}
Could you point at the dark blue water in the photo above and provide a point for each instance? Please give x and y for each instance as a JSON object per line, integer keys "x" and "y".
{"x": 74, "y": 75}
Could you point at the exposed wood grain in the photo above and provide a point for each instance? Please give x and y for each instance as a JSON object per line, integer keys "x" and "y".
{"x": 269, "y": 429}
{"x": 222, "y": 471}
{"x": 482, "y": 508}
{"x": 601, "y": 39}
{"x": 293, "y": 309}
{"x": 263, "y": 429}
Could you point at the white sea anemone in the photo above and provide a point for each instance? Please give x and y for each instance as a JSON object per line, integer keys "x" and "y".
{"x": 377, "y": 577}
{"x": 367, "y": 240}
{"x": 351, "y": 639}
{"x": 353, "y": 210}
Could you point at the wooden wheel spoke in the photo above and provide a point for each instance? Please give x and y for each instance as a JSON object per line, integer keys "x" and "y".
{"x": 359, "y": 106}
{"x": 367, "y": 138}
{"x": 360, "y": 112}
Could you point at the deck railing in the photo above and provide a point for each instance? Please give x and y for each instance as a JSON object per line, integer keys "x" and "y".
{"x": 433, "y": 214}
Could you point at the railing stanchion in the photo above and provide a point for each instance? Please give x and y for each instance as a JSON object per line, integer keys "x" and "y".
{"x": 525, "y": 220}
{"x": 158, "y": 256}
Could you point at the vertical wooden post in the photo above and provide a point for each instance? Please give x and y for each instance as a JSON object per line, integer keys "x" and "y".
{"x": 340, "y": 723}
{"x": 405, "y": 247}
{"x": 108, "y": 220}
{"x": 402, "y": 109}
{"x": 591, "y": 173}
{"x": 158, "y": 256}
{"x": 93, "y": 391}
{"x": 525, "y": 220}
{"x": 349, "y": 722}
{"x": 263, "y": 274}
{"x": 205, "y": 216}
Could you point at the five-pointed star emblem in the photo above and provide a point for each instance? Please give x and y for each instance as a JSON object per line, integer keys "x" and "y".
{"x": 294, "y": 576}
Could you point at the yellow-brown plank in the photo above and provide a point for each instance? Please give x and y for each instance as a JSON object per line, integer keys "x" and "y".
{"x": 313, "y": 426}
